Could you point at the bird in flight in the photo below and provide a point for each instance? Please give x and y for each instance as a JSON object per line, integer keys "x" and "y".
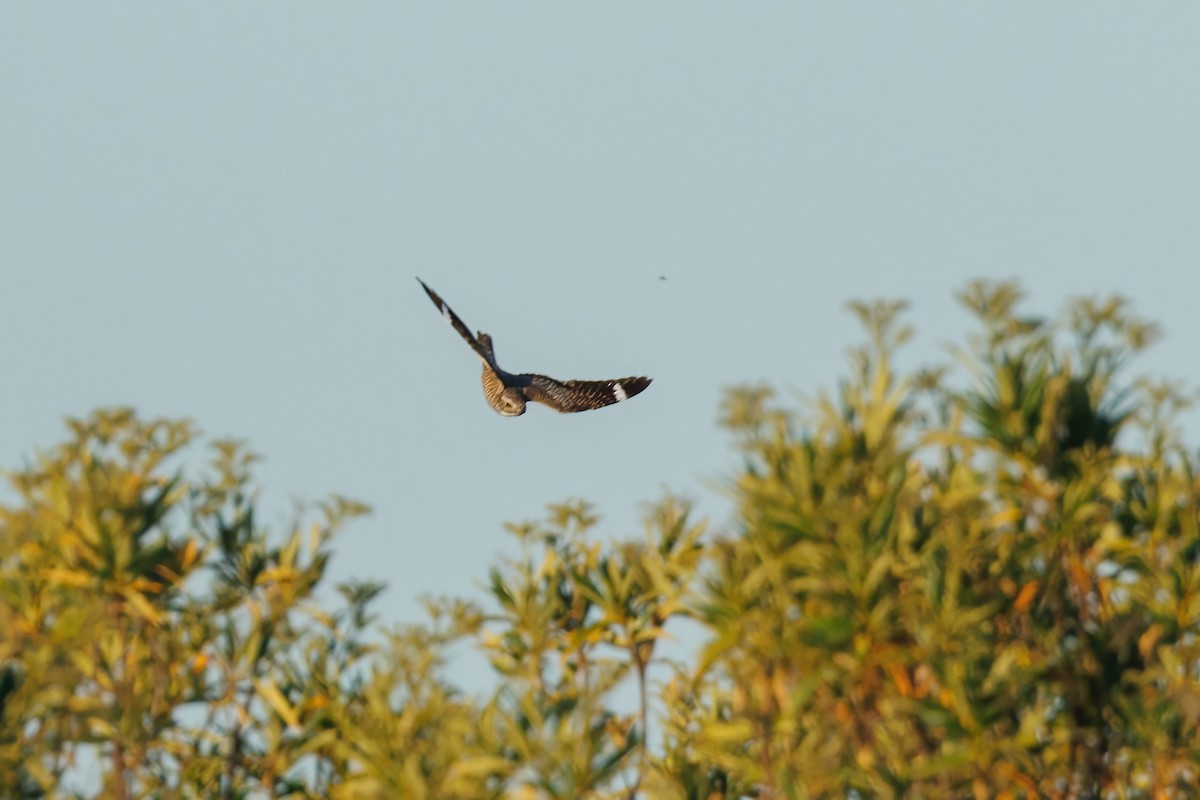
{"x": 507, "y": 394}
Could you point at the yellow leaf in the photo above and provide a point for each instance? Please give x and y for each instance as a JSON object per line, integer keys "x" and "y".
{"x": 316, "y": 702}
{"x": 325, "y": 739}
{"x": 1148, "y": 639}
{"x": 274, "y": 698}
{"x": 314, "y": 538}
{"x": 191, "y": 551}
{"x": 31, "y": 552}
{"x": 133, "y": 483}
{"x": 276, "y": 575}
{"x": 102, "y": 728}
{"x": 780, "y": 690}
{"x": 320, "y": 616}
{"x": 24, "y": 627}
{"x": 86, "y": 524}
{"x": 145, "y": 587}
{"x": 142, "y": 607}
{"x": 1005, "y": 517}
{"x": 357, "y": 787}
{"x": 479, "y": 766}
{"x": 68, "y": 577}
{"x": 173, "y": 577}
{"x": 76, "y": 548}
{"x": 726, "y": 732}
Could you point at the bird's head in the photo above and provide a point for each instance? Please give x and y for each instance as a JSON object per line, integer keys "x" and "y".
{"x": 511, "y": 403}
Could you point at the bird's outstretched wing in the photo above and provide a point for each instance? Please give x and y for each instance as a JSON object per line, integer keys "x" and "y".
{"x": 574, "y": 396}
{"x": 459, "y": 326}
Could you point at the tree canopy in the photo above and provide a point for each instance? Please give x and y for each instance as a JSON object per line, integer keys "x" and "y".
{"x": 976, "y": 579}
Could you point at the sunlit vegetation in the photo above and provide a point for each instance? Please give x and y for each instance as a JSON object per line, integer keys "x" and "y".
{"x": 978, "y": 579}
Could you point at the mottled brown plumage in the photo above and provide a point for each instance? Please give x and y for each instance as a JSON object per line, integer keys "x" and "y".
{"x": 508, "y": 394}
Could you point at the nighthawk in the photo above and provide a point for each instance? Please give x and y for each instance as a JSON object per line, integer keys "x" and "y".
{"x": 507, "y": 393}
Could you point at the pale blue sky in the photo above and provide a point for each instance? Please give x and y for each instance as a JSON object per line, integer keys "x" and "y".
{"x": 217, "y": 210}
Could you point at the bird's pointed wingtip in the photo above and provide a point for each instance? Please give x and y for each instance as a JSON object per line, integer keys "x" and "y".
{"x": 432, "y": 295}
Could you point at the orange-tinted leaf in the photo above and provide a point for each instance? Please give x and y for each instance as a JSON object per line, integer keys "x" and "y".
{"x": 1026, "y": 597}
{"x": 1148, "y": 639}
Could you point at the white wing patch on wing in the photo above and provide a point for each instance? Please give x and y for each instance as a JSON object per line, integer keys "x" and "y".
{"x": 619, "y": 391}
{"x": 446, "y": 313}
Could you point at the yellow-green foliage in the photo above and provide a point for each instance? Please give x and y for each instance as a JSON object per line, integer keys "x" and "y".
{"x": 980, "y": 581}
